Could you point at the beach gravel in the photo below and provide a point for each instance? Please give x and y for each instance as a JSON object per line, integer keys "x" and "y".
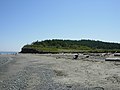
{"x": 46, "y": 72}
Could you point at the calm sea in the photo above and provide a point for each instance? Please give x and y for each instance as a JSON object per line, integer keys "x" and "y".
{"x": 6, "y": 53}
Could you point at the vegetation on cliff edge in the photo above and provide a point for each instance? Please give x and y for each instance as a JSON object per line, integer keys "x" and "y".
{"x": 57, "y": 45}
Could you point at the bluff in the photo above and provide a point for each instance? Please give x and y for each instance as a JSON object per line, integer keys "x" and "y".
{"x": 70, "y": 46}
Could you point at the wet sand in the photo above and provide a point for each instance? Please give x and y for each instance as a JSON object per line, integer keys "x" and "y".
{"x": 58, "y": 72}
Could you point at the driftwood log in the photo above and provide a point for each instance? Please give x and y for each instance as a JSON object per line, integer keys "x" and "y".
{"x": 117, "y": 54}
{"x": 112, "y": 59}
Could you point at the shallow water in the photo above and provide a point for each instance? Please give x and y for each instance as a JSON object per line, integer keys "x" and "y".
{"x": 6, "y": 53}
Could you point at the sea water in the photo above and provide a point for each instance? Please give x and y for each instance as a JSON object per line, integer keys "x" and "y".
{"x": 7, "y": 53}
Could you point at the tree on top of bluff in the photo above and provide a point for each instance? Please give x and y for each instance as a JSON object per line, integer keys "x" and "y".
{"x": 76, "y": 44}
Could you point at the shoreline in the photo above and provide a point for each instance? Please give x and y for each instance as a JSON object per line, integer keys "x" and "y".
{"x": 58, "y": 72}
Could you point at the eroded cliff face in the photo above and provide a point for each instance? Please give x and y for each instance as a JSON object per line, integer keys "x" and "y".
{"x": 29, "y": 50}
{"x": 34, "y": 51}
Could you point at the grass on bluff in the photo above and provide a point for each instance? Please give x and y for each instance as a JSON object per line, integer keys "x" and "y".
{"x": 69, "y": 46}
{"x": 69, "y": 50}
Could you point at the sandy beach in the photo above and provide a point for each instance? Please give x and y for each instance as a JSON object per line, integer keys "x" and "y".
{"x": 58, "y": 72}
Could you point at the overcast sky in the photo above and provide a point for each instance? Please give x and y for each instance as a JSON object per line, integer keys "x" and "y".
{"x": 25, "y": 21}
